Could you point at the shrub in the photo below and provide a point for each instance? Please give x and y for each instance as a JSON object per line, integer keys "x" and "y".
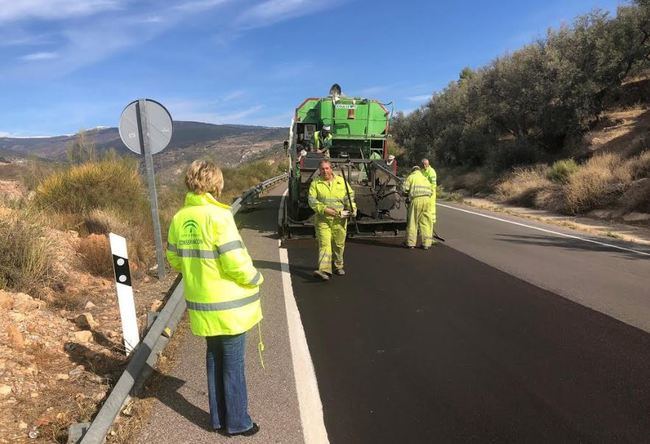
{"x": 105, "y": 221}
{"x": 96, "y": 254}
{"x": 599, "y": 182}
{"x": 237, "y": 180}
{"x": 522, "y": 186}
{"x": 26, "y": 254}
{"x": 637, "y": 197}
{"x": 640, "y": 165}
{"x": 561, "y": 170}
{"x": 83, "y": 188}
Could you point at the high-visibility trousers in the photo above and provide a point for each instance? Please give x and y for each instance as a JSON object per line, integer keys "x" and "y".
{"x": 330, "y": 234}
{"x": 419, "y": 219}
{"x": 432, "y": 212}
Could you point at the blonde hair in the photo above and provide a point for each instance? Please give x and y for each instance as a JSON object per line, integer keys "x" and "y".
{"x": 204, "y": 176}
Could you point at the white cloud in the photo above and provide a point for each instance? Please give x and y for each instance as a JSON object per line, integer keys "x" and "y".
{"x": 419, "y": 98}
{"x": 204, "y": 111}
{"x": 14, "y": 10}
{"x": 36, "y": 56}
{"x": 273, "y": 11}
{"x": 234, "y": 95}
{"x": 198, "y": 5}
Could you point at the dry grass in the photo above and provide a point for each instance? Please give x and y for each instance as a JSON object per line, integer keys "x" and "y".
{"x": 95, "y": 251}
{"x": 101, "y": 221}
{"x": 561, "y": 170}
{"x": 522, "y": 186}
{"x": 83, "y": 188}
{"x": 26, "y": 254}
{"x": 597, "y": 183}
{"x": 640, "y": 165}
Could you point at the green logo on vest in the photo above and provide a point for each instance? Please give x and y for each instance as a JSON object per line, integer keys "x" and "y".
{"x": 191, "y": 227}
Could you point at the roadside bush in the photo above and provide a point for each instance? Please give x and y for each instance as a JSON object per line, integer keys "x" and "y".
{"x": 561, "y": 170}
{"x": 637, "y": 197}
{"x": 640, "y": 165}
{"x": 599, "y": 182}
{"x": 83, "y": 188}
{"x": 101, "y": 221}
{"x": 26, "y": 254}
{"x": 237, "y": 180}
{"x": 522, "y": 186}
{"x": 96, "y": 254}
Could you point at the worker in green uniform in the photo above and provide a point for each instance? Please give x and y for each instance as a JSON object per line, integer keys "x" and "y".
{"x": 430, "y": 174}
{"x": 330, "y": 196}
{"x": 322, "y": 140}
{"x": 418, "y": 190}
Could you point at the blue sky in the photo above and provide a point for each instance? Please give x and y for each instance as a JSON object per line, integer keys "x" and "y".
{"x": 74, "y": 64}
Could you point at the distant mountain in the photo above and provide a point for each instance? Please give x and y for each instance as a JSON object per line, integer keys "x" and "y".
{"x": 189, "y": 139}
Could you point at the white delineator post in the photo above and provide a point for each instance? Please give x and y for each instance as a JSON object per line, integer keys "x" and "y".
{"x": 124, "y": 292}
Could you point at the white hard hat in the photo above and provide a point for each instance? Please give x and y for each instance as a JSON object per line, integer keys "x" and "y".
{"x": 391, "y": 157}
{"x": 303, "y": 153}
{"x": 326, "y": 128}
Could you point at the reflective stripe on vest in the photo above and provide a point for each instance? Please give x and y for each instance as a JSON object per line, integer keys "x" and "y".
{"x": 218, "y": 306}
{"x": 205, "y": 254}
{"x": 419, "y": 191}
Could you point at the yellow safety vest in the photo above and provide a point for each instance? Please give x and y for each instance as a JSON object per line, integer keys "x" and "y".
{"x": 323, "y": 194}
{"x": 220, "y": 282}
{"x": 417, "y": 185}
{"x": 430, "y": 174}
{"x": 327, "y": 141}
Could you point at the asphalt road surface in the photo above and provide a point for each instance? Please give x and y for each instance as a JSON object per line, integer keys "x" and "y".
{"x": 481, "y": 339}
{"x": 505, "y": 333}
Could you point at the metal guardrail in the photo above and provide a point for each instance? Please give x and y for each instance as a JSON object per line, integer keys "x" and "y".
{"x": 144, "y": 358}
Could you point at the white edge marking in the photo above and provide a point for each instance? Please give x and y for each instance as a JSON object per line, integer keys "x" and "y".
{"x": 309, "y": 402}
{"x": 557, "y": 233}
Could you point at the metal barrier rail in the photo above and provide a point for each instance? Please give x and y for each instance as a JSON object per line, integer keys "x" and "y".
{"x": 145, "y": 356}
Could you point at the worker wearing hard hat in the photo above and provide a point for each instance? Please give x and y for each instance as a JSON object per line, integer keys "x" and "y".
{"x": 418, "y": 190}
{"x": 332, "y": 199}
{"x": 322, "y": 140}
{"x": 430, "y": 174}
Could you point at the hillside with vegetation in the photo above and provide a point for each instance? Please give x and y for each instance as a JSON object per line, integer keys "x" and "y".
{"x": 60, "y": 336}
{"x": 560, "y": 124}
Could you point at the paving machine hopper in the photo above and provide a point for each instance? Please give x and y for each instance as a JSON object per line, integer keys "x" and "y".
{"x": 358, "y": 151}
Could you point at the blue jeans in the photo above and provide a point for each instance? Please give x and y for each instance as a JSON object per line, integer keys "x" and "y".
{"x": 227, "y": 383}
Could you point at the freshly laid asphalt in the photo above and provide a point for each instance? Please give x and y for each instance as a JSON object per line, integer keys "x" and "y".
{"x": 416, "y": 346}
{"x": 503, "y": 334}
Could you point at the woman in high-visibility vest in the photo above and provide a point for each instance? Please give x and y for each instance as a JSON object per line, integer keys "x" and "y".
{"x": 221, "y": 290}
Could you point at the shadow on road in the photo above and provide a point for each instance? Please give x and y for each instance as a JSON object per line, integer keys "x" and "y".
{"x": 171, "y": 397}
{"x": 573, "y": 244}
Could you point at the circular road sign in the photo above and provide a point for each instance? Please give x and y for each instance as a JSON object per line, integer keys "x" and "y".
{"x": 158, "y": 124}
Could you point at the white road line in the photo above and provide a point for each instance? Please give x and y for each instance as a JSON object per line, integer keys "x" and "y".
{"x": 311, "y": 407}
{"x": 557, "y": 233}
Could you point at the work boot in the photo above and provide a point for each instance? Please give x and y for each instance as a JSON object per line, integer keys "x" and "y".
{"x": 321, "y": 275}
{"x": 250, "y": 432}
{"x": 339, "y": 272}
{"x": 426, "y": 247}
{"x": 405, "y": 245}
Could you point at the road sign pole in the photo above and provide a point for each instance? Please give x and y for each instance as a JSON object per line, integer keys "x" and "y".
{"x": 143, "y": 134}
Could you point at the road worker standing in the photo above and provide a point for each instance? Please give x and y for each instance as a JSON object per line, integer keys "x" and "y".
{"x": 330, "y": 197}
{"x": 222, "y": 292}
{"x": 418, "y": 190}
{"x": 430, "y": 174}
{"x": 322, "y": 140}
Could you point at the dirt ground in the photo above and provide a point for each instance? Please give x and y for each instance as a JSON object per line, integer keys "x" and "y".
{"x": 61, "y": 349}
